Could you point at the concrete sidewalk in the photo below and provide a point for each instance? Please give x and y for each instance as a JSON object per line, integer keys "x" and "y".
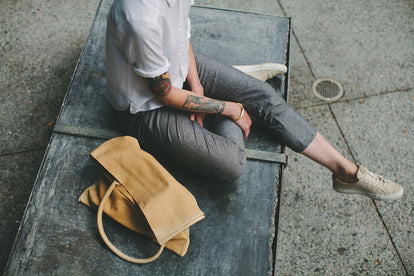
{"x": 367, "y": 46}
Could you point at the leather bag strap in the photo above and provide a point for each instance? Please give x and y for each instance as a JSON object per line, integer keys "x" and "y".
{"x": 109, "y": 243}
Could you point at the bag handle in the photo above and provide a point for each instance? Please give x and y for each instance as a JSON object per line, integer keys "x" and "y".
{"x": 108, "y": 242}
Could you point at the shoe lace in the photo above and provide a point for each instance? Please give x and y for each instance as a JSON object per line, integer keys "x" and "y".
{"x": 376, "y": 180}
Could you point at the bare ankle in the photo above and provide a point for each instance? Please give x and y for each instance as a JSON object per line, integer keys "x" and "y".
{"x": 347, "y": 174}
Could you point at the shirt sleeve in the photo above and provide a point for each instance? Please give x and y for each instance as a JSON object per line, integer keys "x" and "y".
{"x": 189, "y": 29}
{"x": 142, "y": 45}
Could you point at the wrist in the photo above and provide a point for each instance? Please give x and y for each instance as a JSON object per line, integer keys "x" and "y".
{"x": 195, "y": 85}
{"x": 198, "y": 89}
{"x": 241, "y": 112}
{"x": 233, "y": 111}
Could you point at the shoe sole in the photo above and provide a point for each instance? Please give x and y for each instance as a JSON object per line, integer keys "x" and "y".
{"x": 262, "y": 67}
{"x": 397, "y": 195}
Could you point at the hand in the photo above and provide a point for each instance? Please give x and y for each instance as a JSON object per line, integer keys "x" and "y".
{"x": 199, "y": 117}
{"x": 245, "y": 123}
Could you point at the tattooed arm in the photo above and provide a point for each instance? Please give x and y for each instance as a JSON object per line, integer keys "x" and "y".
{"x": 202, "y": 104}
{"x": 183, "y": 99}
{"x": 194, "y": 83}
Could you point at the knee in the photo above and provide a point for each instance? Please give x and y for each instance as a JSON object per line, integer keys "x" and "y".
{"x": 233, "y": 169}
{"x": 234, "y": 173}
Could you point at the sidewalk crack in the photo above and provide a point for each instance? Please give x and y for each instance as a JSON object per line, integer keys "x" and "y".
{"x": 2, "y": 154}
{"x": 390, "y": 237}
{"x": 297, "y": 40}
{"x": 373, "y": 201}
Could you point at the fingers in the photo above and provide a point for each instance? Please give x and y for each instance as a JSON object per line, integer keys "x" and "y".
{"x": 198, "y": 117}
{"x": 246, "y": 133}
{"x": 192, "y": 116}
{"x": 245, "y": 124}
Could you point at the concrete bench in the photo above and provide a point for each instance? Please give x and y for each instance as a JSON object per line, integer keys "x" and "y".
{"x": 59, "y": 236}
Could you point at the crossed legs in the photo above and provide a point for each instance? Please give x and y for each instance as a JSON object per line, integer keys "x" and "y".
{"x": 261, "y": 100}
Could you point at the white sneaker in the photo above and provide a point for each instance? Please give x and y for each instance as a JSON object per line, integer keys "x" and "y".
{"x": 263, "y": 71}
{"x": 371, "y": 185}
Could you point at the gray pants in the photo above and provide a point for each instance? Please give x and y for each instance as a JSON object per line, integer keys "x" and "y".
{"x": 218, "y": 148}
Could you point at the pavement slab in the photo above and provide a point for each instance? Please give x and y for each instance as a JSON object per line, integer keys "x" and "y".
{"x": 324, "y": 232}
{"x": 17, "y": 175}
{"x": 40, "y": 42}
{"x": 380, "y": 131}
{"x": 366, "y": 45}
{"x": 301, "y": 79}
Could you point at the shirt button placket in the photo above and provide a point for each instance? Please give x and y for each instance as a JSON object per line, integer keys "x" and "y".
{"x": 182, "y": 38}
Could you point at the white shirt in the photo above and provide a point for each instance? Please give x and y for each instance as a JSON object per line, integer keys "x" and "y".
{"x": 144, "y": 39}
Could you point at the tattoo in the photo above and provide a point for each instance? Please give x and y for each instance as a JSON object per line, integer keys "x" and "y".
{"x": 196, "y": 103}
{"x": 160, "y": 85}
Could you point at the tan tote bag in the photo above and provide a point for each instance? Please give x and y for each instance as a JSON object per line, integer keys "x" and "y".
{"x": 139, "y": 193}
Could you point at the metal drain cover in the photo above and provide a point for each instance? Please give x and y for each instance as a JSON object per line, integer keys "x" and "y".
{"x": 327, "y": 89}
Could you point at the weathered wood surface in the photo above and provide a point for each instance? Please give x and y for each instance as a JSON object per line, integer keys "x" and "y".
{"x": 59, "y": 236}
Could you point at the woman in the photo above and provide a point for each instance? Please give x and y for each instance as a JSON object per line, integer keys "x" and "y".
{"x": 162, "y": 92}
